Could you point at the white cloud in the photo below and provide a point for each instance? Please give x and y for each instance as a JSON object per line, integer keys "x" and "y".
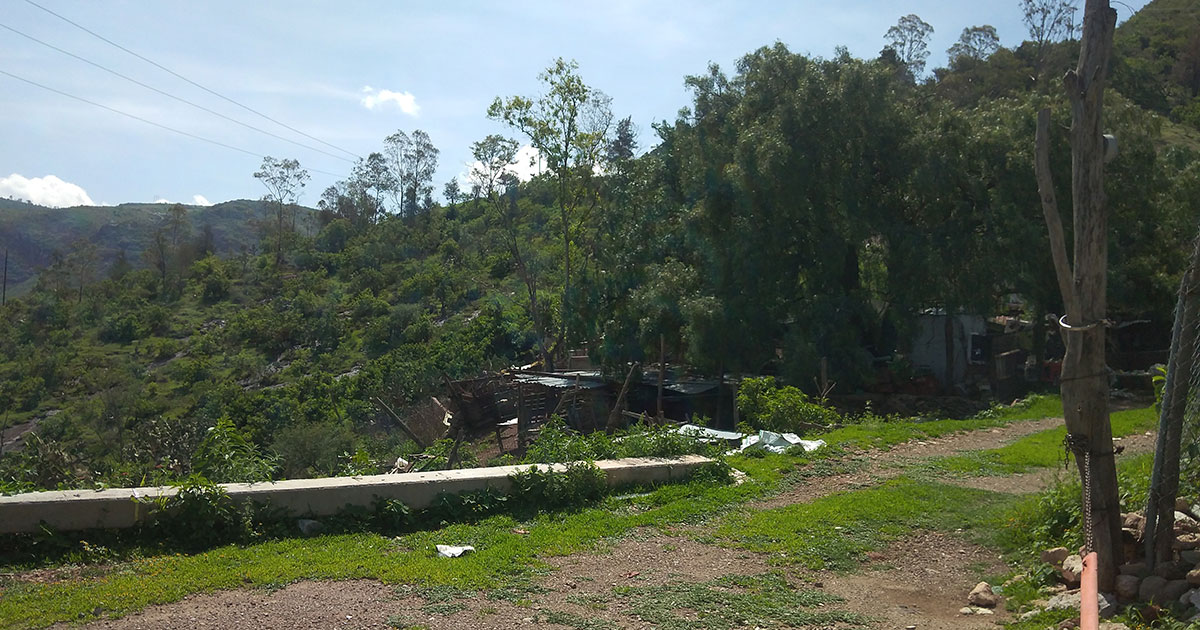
{"x": 199, "y": 200}
{"x": 46, "y": 191}
{"x": 378, "y": 99}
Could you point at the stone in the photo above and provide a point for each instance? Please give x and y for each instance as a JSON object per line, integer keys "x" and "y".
{"x": 1127, "y": 587}
{"x": 309, "y": 527}
{"x": 1070, "y": 600}
{"x": 974, "y": 610}
{"x": 1174, "y": 589}
{"x": 1171, "y": 570}
{"x": 1071, "y": 569}
{"x": 1190, "y": 556}
{"x": 1133, "y": 521}
{"x": 1190, "y": 598}
{"x": 1193, "y": 577}
{"x": 1186, "y": 541}
{"x": 1068, "y": 624}
{"x": 983, "y": 596}
{"x": 1151, "y": 589}
{"x": 1055, "y": 556}
{"x": 1134, "y": 568}
{"x": 1113, "y": 625}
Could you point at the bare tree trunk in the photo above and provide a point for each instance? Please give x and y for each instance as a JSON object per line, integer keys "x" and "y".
{"x": 1085, "y": 374}
{"x": 948, "y": 330}
{"x": 1164, "y": 484}
{"x": 614, "y": 416}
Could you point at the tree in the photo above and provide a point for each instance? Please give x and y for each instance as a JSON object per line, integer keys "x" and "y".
{"x": 494, "y": 157}
{"x": 909, "y": 39}
{"x": 411, "y": 162}
{"x": 568, "y": 126}
{"x": 284, "y": 180}
{"x": 1048, "y": 21}
{"x": 452, "y": 192}
{"x": 976, "y": 42}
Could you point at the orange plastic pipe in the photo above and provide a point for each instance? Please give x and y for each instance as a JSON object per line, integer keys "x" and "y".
{"x": 1089, "y": 606}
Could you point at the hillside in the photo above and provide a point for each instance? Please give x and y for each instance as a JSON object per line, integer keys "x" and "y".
{"x": 32, "y": 234}
{"x": 798, "y": 219}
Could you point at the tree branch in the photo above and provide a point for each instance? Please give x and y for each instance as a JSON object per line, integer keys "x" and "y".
{"x": 1058, "y": 243}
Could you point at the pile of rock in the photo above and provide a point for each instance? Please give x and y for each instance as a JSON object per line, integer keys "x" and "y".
{"x": 1176, "y": 581}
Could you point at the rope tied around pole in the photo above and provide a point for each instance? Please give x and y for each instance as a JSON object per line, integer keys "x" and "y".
{"x": 1062, "y": 323}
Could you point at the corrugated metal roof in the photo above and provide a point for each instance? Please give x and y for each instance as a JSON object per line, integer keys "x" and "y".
{"x": 558, "y": 382}
{"x": 690, "y": 387}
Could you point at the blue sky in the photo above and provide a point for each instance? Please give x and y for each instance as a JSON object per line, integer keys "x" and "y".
{"x": 351, "y": 73}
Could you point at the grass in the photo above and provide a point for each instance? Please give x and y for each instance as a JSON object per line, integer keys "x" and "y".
{"x": 834, "y": 532}
{"x": 1043, "y": 449}
{"x": 734, "y": 601}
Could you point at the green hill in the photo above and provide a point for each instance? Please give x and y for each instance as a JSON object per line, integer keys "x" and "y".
{"x": 33, "y": 234}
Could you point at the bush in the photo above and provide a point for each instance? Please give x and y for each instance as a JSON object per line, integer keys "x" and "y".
{"x": 225, "y": 455}
{"x": 764, "y": 405}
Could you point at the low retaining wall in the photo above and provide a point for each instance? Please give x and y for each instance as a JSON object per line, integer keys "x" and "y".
{"x": 68, "y": 510}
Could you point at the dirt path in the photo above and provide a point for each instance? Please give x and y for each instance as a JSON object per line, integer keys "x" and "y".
{"x": 921, "y": 580}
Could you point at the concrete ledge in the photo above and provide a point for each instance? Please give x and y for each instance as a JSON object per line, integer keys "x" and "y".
{"x": 68, "y": 510}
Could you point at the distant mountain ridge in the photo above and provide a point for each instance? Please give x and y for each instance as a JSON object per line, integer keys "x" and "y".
{"x": 32, "y": 233}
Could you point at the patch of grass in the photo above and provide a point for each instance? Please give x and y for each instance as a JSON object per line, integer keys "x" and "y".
{"x": 734, "y": 602}
{"x": 1043, "y": 449}
{"x": 885, "y": 432}
{"x": 595, "y": 601}
{"x": 835, "y": 531}
{"x": 578, "y": 622}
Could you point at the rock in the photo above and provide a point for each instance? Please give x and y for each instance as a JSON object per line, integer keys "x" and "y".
{"x": 1193, "y": 577}
{"x": 1068, "y": 624}
{"x": 974, "y": 610}
{"x": 1174, "y": 589}
{"x": 1190, "y": 598}
{"x": 309, "y": 527}
{"x": 1134, "y": 568}
{"x": 1055, "y": 556}
{"x": 1186, "y": 541}
{"x": 1071, "y": 569}
{"x": 1070, "y": 600}
{"x": 1127, "y": 587}
{"x": 1133, "y": 521}
{"x": 1191, "y": 556}
{"x": 1171, "y": 570}
{"x": 1151, "y": 589}
{"x": 982, "y": 595}
{"x": 1113, "y": 625}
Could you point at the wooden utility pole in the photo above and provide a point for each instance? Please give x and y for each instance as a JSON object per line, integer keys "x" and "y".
{"x": 1084, "y": 289}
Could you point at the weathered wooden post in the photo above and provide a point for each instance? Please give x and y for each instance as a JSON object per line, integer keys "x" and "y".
{"x": 1084, "y": 290}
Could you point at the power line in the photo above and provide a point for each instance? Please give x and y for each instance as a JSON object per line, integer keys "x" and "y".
{"x": 172, "y": 96}
{"x": 180, "y": 76}
{"x": 148, "y": 122}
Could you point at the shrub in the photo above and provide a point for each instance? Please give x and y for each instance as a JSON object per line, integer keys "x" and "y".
{"x": 765, "y": 405}
{"x": 225, "y": 455}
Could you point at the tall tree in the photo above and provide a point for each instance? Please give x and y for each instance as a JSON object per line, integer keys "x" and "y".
{"x": 1048, "y": 21}
{"x": 568, "y": 125}
{"x": 975, "y": 42}
{"x": 411, "y": 160}
{"x": 452, "y": 191}
{"x": 284, "y": 180}
{"x": 909, "y": 38}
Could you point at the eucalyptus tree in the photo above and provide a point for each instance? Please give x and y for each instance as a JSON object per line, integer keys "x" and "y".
{"x": 284, "y": 180}
{"x": 567, "y": 125}
{"x": 411, "y": 160}
{"x": 975, "y": 42}
{"x": 909, "y": 38}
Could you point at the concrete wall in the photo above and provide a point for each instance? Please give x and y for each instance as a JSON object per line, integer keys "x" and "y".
{"x": 68, "y": 510}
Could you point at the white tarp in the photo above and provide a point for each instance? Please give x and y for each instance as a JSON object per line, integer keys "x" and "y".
{"x": 766, "y": 440}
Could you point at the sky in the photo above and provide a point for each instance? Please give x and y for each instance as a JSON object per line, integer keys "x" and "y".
{"x": 348, "y": 74}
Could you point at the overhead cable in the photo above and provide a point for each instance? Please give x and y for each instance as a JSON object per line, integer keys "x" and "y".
{"x": 180, "y": 76}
